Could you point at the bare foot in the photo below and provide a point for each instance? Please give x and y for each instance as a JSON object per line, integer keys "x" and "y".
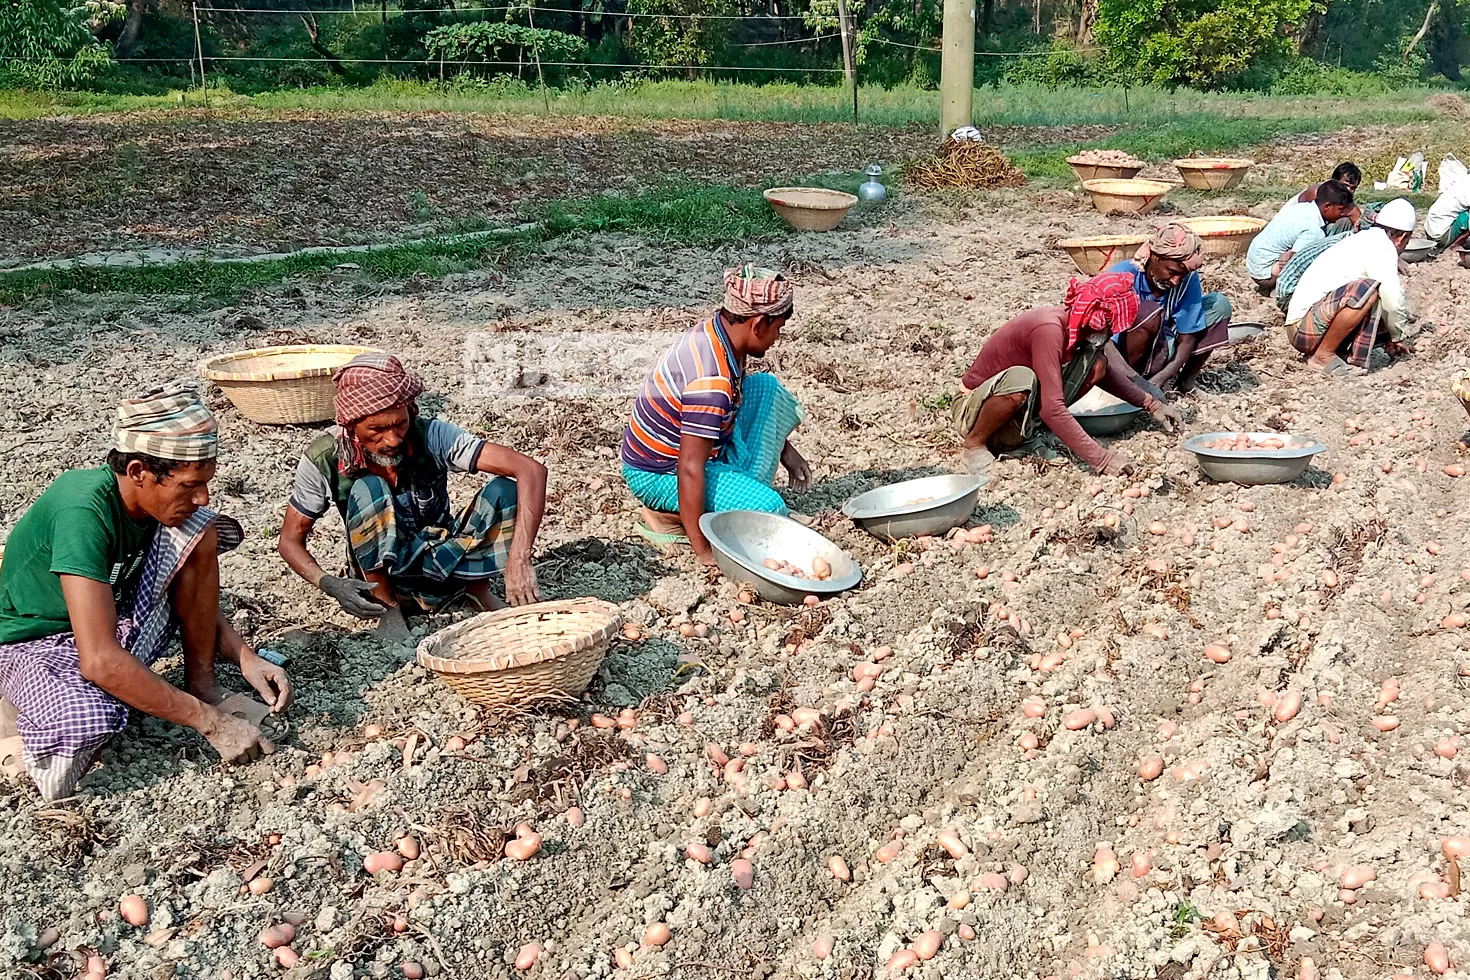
{"x": 661, "y": 523}
{"x": 10, "y": 761}
{"x": 487, "y": 599}
{"x": 977, "y": 461}
{"x": 8, "y": 715}
{"x": 393, "y": 626}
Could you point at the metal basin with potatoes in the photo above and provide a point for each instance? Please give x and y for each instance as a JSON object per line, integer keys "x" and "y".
{"x": 743, "y": 539}
{"x": 928, "y": 505}
{"x": 1254, "y": 467}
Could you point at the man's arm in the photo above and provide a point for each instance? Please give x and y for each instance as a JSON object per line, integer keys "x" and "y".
{"x": 530, "y": 477}
{"x": 292, "y": 546}
{"x": 104, "y": 662}
{"x": 1184, "y": 346}
{"x": 694, "y": 453}
{"x": 353, "y": 595}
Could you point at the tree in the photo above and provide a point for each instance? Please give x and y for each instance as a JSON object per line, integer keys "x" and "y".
{"x": 1201, "y": 43}
{"x": 47, "y": 45}
{"x": 679, "y": 32}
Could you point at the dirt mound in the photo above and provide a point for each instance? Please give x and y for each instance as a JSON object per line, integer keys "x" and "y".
{"x": 1449, "y": 104}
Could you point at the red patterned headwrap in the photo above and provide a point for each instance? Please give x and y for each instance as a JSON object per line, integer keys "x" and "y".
{"x": 366, "y": 385}
{"x": 1107, "y": 303}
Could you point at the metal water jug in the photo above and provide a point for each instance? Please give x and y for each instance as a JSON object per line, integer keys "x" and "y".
{"x": 872, "y": 190}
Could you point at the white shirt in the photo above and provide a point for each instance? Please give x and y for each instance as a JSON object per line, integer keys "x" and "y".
{"x": 1367, "y": 255}
{"x": 1447, "y": 207}
{"x": 1294, "y": 227}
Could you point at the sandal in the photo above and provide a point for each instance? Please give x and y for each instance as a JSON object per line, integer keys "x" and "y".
{"x": 665, "y": 544}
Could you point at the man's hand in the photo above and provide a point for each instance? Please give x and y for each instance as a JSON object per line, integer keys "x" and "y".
{"x": 520, "y": 582}
{"x": 797, "y": 471}
{"x": 1395, "y": 349}
{"x": 269, "y": 681}
{"x": 1117, "y": 464}
{"x": 353, "y": 595}
{"x": 235, "y": 739}
{"x": 1165, "y": 414}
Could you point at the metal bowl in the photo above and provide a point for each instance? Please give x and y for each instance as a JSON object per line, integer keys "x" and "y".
{"x": 1109, "y": 420}
{"x": 900, "y": 510}
{"x": 743, "y": 539}
{"x": 1240, "y": 332}
{"x": 1419, "y": 249}
{"x": 1254, "y": 467}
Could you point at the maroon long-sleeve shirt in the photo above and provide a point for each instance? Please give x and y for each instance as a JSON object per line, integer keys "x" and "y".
{"x": 1036, "y": 339}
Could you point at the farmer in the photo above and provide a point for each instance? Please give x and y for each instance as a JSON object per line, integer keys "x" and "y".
{"x": 1448, "y": 220}
{"x": 1297, "y": 266}
{"x": 704, "y": 434}
{"x": 1350, "y": 175}
{"x": 386, "y": 470}
{"x": 1171, "y": 348}
{"x": 1337, "y": 306}
{"x": 1295, "y": 226}
{"x": 1040, "y": 362}
{"x": 97, "y": 574}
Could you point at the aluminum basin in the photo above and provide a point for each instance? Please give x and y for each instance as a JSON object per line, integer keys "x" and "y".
{"x": 899, "y": 510}
{"x": 1419, "y": 249}
{"x": 1240, "y": 332}
{"x": 1109, "y": 420}
{"x": 1254, "y": 467}
{"x": 743, "y": 539}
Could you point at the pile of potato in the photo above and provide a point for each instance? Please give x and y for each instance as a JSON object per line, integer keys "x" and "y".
{"x": 1110, "y": 158}
{"x": 1242, "y": 443}
{"x": 821, "y": 568}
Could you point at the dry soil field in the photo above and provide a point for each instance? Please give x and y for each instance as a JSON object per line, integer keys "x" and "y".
{"x": 969, "y": 816}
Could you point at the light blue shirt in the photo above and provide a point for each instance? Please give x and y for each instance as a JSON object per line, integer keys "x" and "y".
{"x": 1295, "y": 227}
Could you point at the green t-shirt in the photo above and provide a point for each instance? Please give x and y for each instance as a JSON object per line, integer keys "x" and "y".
{"x": 76, "y": 527}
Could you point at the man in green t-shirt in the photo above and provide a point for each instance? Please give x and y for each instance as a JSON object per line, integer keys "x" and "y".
{"x": 97, "y": 575}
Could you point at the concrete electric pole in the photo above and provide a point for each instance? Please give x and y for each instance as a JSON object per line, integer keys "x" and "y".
{"x": 957, "y": 68}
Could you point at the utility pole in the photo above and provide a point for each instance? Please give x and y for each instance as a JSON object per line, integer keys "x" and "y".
{"x": 849, "y": 66}
{"x": 957, "y": 68}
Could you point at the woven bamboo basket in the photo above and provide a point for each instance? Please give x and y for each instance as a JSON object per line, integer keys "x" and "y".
{"x": 548, "y": 650}
{"x": 1101, "y": 171}
{"x": 1093, "y": 255}
{"x": 1127, "y": 196}
{"x": 1213, "y": 173}
{"x": 1461, "y": 388}
{"x": 1225, "y": 235}
{"x": 281, "y": 385}
{"x": 810, "y": 208}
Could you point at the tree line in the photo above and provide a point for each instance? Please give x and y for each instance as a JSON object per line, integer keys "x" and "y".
{"x": 1296, "y": 46}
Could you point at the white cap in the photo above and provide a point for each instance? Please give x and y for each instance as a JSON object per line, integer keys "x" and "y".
{"x": 1397, "y": 215}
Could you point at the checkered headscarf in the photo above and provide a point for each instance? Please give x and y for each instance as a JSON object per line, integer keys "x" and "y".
{"x": 366, "y": 385}
{"x": 168, "y": 423}
{"x": 1107, "y": 303}
{"x": 753, "y": 291}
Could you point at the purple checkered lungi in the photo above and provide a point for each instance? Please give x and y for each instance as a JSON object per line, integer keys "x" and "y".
{"x": 1358, "y": 346}
{"x": 64, "y": 719}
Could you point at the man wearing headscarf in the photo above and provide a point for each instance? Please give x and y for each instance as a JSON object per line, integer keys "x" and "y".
{"x": 1172, "y": 347}
{"x": 705, "y": 435}
{"x": 386, "y": 471}
{"x": 1040, "y": 362}
{"x": 98, "y": 574}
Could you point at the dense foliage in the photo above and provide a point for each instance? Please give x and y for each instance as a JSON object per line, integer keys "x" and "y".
{"x": 1285, "y": 46}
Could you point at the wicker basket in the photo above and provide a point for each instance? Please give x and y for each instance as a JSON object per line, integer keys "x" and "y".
{"x": 1126, "y": 196}
{"x": 1461, "y": 389}
{"x": 548, "y": 650}
{"x": 1101, "y": 171}
{"x": 810, "y": 208}
{"x": 1224, "y": 235}
{"x": 281, "y": 385}
{"x": 1093, "y": 255}
{"x": 1213, "y": 173}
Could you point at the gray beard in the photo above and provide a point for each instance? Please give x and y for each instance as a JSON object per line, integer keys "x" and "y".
{"x": 377, "y": 459}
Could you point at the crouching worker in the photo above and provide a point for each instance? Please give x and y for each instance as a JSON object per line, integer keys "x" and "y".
{"x": 1044, "y": 360}
{"x": 386, "y": 471}
{"x": 1172, "y": 348}
{"x": 1336, "y": 308}
{"x": 97, "y": 575}
{"x": 706, "y": 436}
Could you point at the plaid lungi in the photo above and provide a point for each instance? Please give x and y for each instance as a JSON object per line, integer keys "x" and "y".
{"x": 431, "y": 563}
{"x": 1357, "y": 348}
{"x": 741, "y": 478}
{"x": 1216, "y": 334}
{"x": 64, "y": 719}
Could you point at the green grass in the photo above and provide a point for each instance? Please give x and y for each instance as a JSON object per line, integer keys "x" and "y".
{"x": 686, "y": 214}
{"x": 904, "y": 105}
